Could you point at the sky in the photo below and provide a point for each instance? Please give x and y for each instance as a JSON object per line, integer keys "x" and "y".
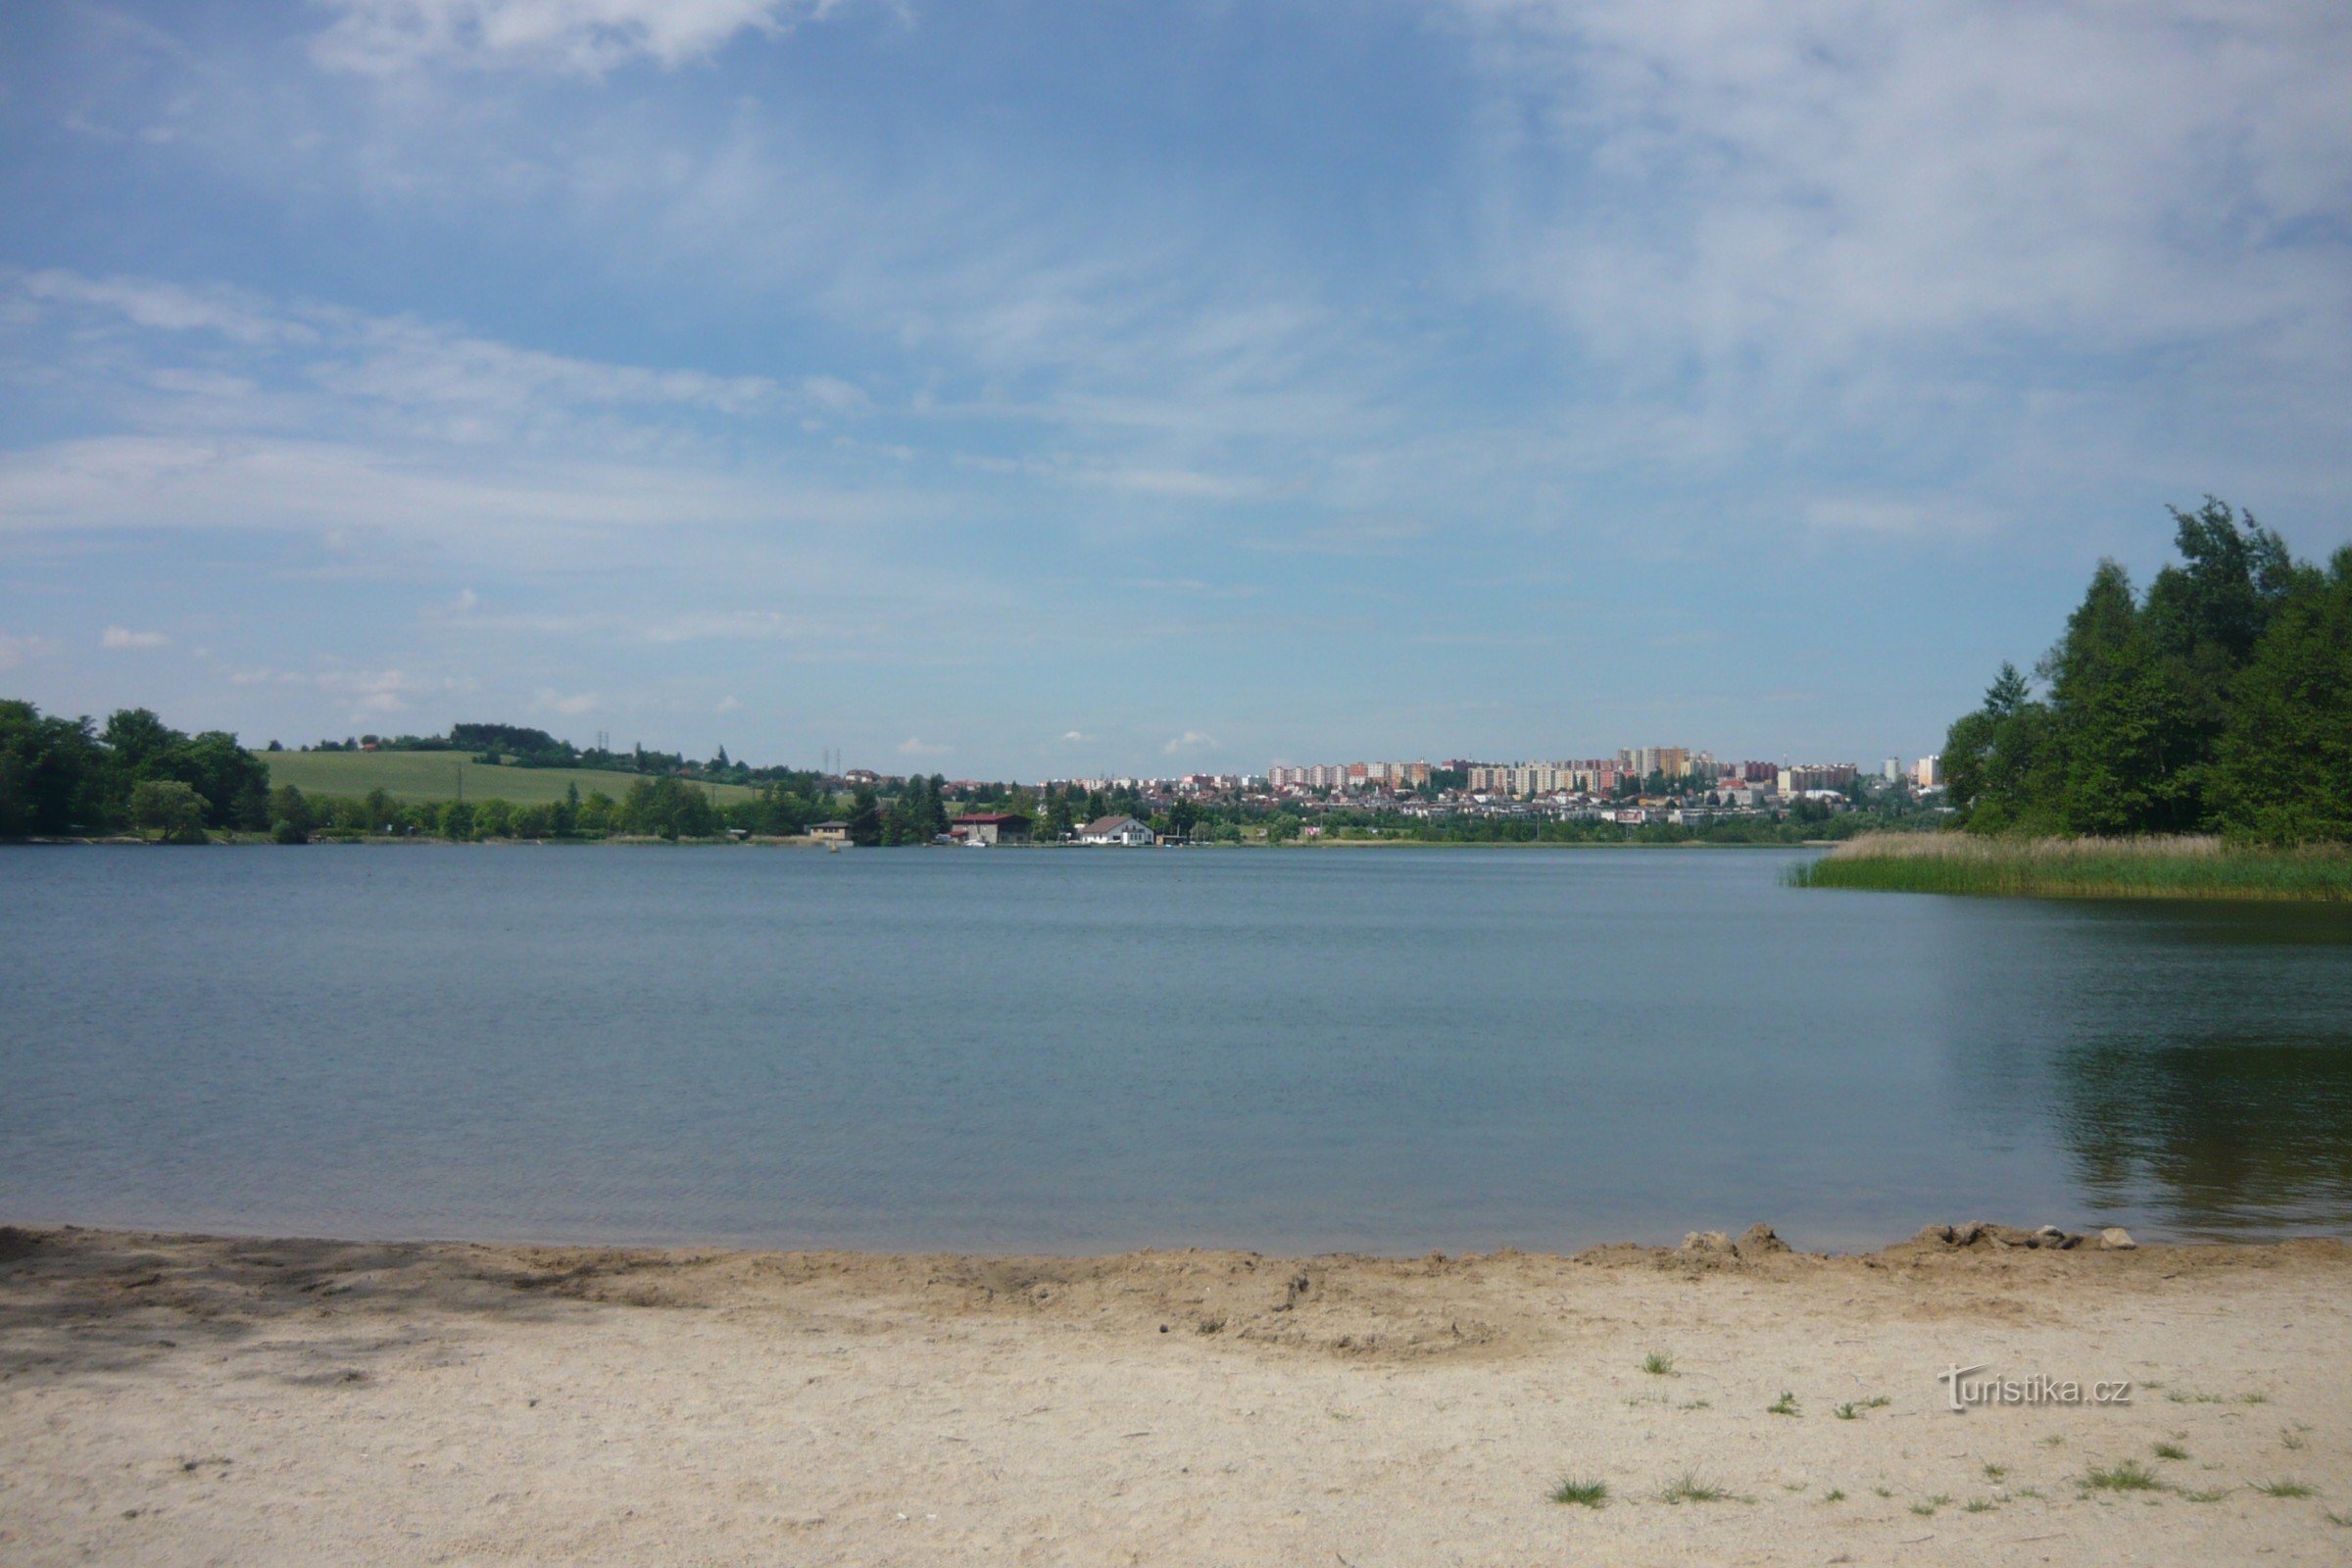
{"x": 1025, "y": 390}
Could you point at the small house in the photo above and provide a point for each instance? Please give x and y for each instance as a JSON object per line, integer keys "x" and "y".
{"x": 992, "y": 827}
{"x": 829, "y": 832}
{"x": 1121, "y": 830}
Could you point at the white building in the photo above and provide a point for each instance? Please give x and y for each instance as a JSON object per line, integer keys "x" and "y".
{"x": 1121, "y": 830}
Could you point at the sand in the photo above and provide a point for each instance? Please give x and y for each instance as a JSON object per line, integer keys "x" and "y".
{"x": 181, "y": 1400}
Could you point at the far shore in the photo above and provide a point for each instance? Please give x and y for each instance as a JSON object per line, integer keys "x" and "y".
{"x": 171, "y": 1398}
{"x": 764, "y": 841}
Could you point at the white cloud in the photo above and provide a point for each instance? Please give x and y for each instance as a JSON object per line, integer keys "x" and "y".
{"x": 589, "y": 37}
{"x": 916, "y": 746}
{"x": 123, "y": 637}
{"x": 14, "y": 651}
{"x": 571, "y": 704}
{"x": 233, "y": 314}
{"x": 1072, "y": 735}
{"x": 728, "y": 705}
{"x": 1192, "y": 740}
{"x": 1813, "y": 183}
{"x": 379, "y": 693}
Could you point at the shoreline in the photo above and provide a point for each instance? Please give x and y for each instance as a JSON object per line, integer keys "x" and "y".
{"x": 171, "y": 1398}
{"x": 258, "y": 840}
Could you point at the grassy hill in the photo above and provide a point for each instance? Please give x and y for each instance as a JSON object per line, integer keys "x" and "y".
{"x": 435, "y": 777}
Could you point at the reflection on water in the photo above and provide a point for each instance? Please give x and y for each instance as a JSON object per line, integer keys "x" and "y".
{"x": 2226, "y": 1137}
{"x": 2195, "y": 1060}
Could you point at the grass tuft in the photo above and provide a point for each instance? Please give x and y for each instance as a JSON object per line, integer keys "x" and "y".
{"x": 2284, "y": 1488}
{"x": 1583, "y": 1493}
{"x": 1688, "y": 1488}
{"x": 1834, "y": 1495}
{"x": 1996, "y": 1472}
{"x": 2129, "y": 1476}
{"x": 2171, "y": 1450}
{"x": 1658, "y": 1364}
{"x": 1786, "y": 1404}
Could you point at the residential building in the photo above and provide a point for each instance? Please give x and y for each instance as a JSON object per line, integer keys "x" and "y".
{"x": 1120, "y": 830}
{"x": 991, "y": 827}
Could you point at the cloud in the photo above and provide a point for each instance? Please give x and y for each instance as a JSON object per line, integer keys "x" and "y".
{"x": 1072, "y": 735}
{"x": 1191, "y": 740}
{"x": 1801, "y": 187}
{"x": 14, "y": 651}
{"x": 233, "y": 314}
{"x": 587, "y": 38}
{"x": 574, "y": 704}
{"x": 728, "y": 705}
{"x": 123, "y": 637}
{"x": 1361, "y": 536}
{"x": 915, "y": 746}
{"x": 378, "y": 693}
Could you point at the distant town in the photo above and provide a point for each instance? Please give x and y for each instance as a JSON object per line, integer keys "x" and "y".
{"x": 1659, "y": 794}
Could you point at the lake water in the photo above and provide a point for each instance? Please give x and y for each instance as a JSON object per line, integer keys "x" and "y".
{"x": 1075, "y": 1050}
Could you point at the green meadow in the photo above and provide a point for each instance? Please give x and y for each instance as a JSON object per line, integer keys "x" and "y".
{"x": 2175, "y": 867}
{"x": 420, "y": 776}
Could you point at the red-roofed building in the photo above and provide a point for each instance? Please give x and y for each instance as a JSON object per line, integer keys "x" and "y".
{"x": 991, "y": 827}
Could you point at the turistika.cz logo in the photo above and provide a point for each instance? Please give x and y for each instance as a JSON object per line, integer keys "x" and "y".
{"x": 1967, "y": 1392}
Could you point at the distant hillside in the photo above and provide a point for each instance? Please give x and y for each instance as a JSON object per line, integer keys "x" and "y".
{"x": 435, "y": 777}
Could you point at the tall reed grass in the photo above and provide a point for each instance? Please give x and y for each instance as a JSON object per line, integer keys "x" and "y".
{"x": 2169, "y": 868}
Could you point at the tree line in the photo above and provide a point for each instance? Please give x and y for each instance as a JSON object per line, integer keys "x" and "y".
{"x": 68, "y": 777}
{"x": 2218, "y": 701}
{"x": 64, "y": 777}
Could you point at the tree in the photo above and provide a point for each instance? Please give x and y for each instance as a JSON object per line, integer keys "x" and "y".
{"x": 53, "y": 777}
{"x": 667, "y": 807}
{"x": 287, "y": 805}
{"x": 170, "y": 809}
{"x": 864, "y": 825}
{"x": 2286, "y": 753}
{"x": 2218, "y": 700}
{"x": 290, "y": 815}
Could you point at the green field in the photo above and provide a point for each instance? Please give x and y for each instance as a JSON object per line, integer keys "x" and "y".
{"x": 2177, "y": 868}
{"x": 435, "y": 776}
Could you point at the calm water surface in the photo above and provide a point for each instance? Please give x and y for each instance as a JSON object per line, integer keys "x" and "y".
{"x": 1389, "y": 1051}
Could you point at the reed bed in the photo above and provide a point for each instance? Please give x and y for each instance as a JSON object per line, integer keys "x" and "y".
{"x": 2183, "y": 866}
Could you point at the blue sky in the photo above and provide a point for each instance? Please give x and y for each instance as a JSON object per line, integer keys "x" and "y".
{"x": 1013, "y": 389}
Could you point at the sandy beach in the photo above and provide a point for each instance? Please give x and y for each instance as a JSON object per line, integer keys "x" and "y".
{"x": 183, "y": 1399}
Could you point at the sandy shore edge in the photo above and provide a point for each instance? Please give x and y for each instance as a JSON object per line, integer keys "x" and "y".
{"x": 172, "y": 1398}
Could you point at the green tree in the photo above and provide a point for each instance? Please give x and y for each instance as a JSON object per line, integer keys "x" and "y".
{"x": 170, "y": 809}
{"x": 2125, "y": 742}
{"x": 457, "y": 821}
{"x": 53, "y": 777}
{"x": 864, "y": 821}
{"x": 2285, "y": 754}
